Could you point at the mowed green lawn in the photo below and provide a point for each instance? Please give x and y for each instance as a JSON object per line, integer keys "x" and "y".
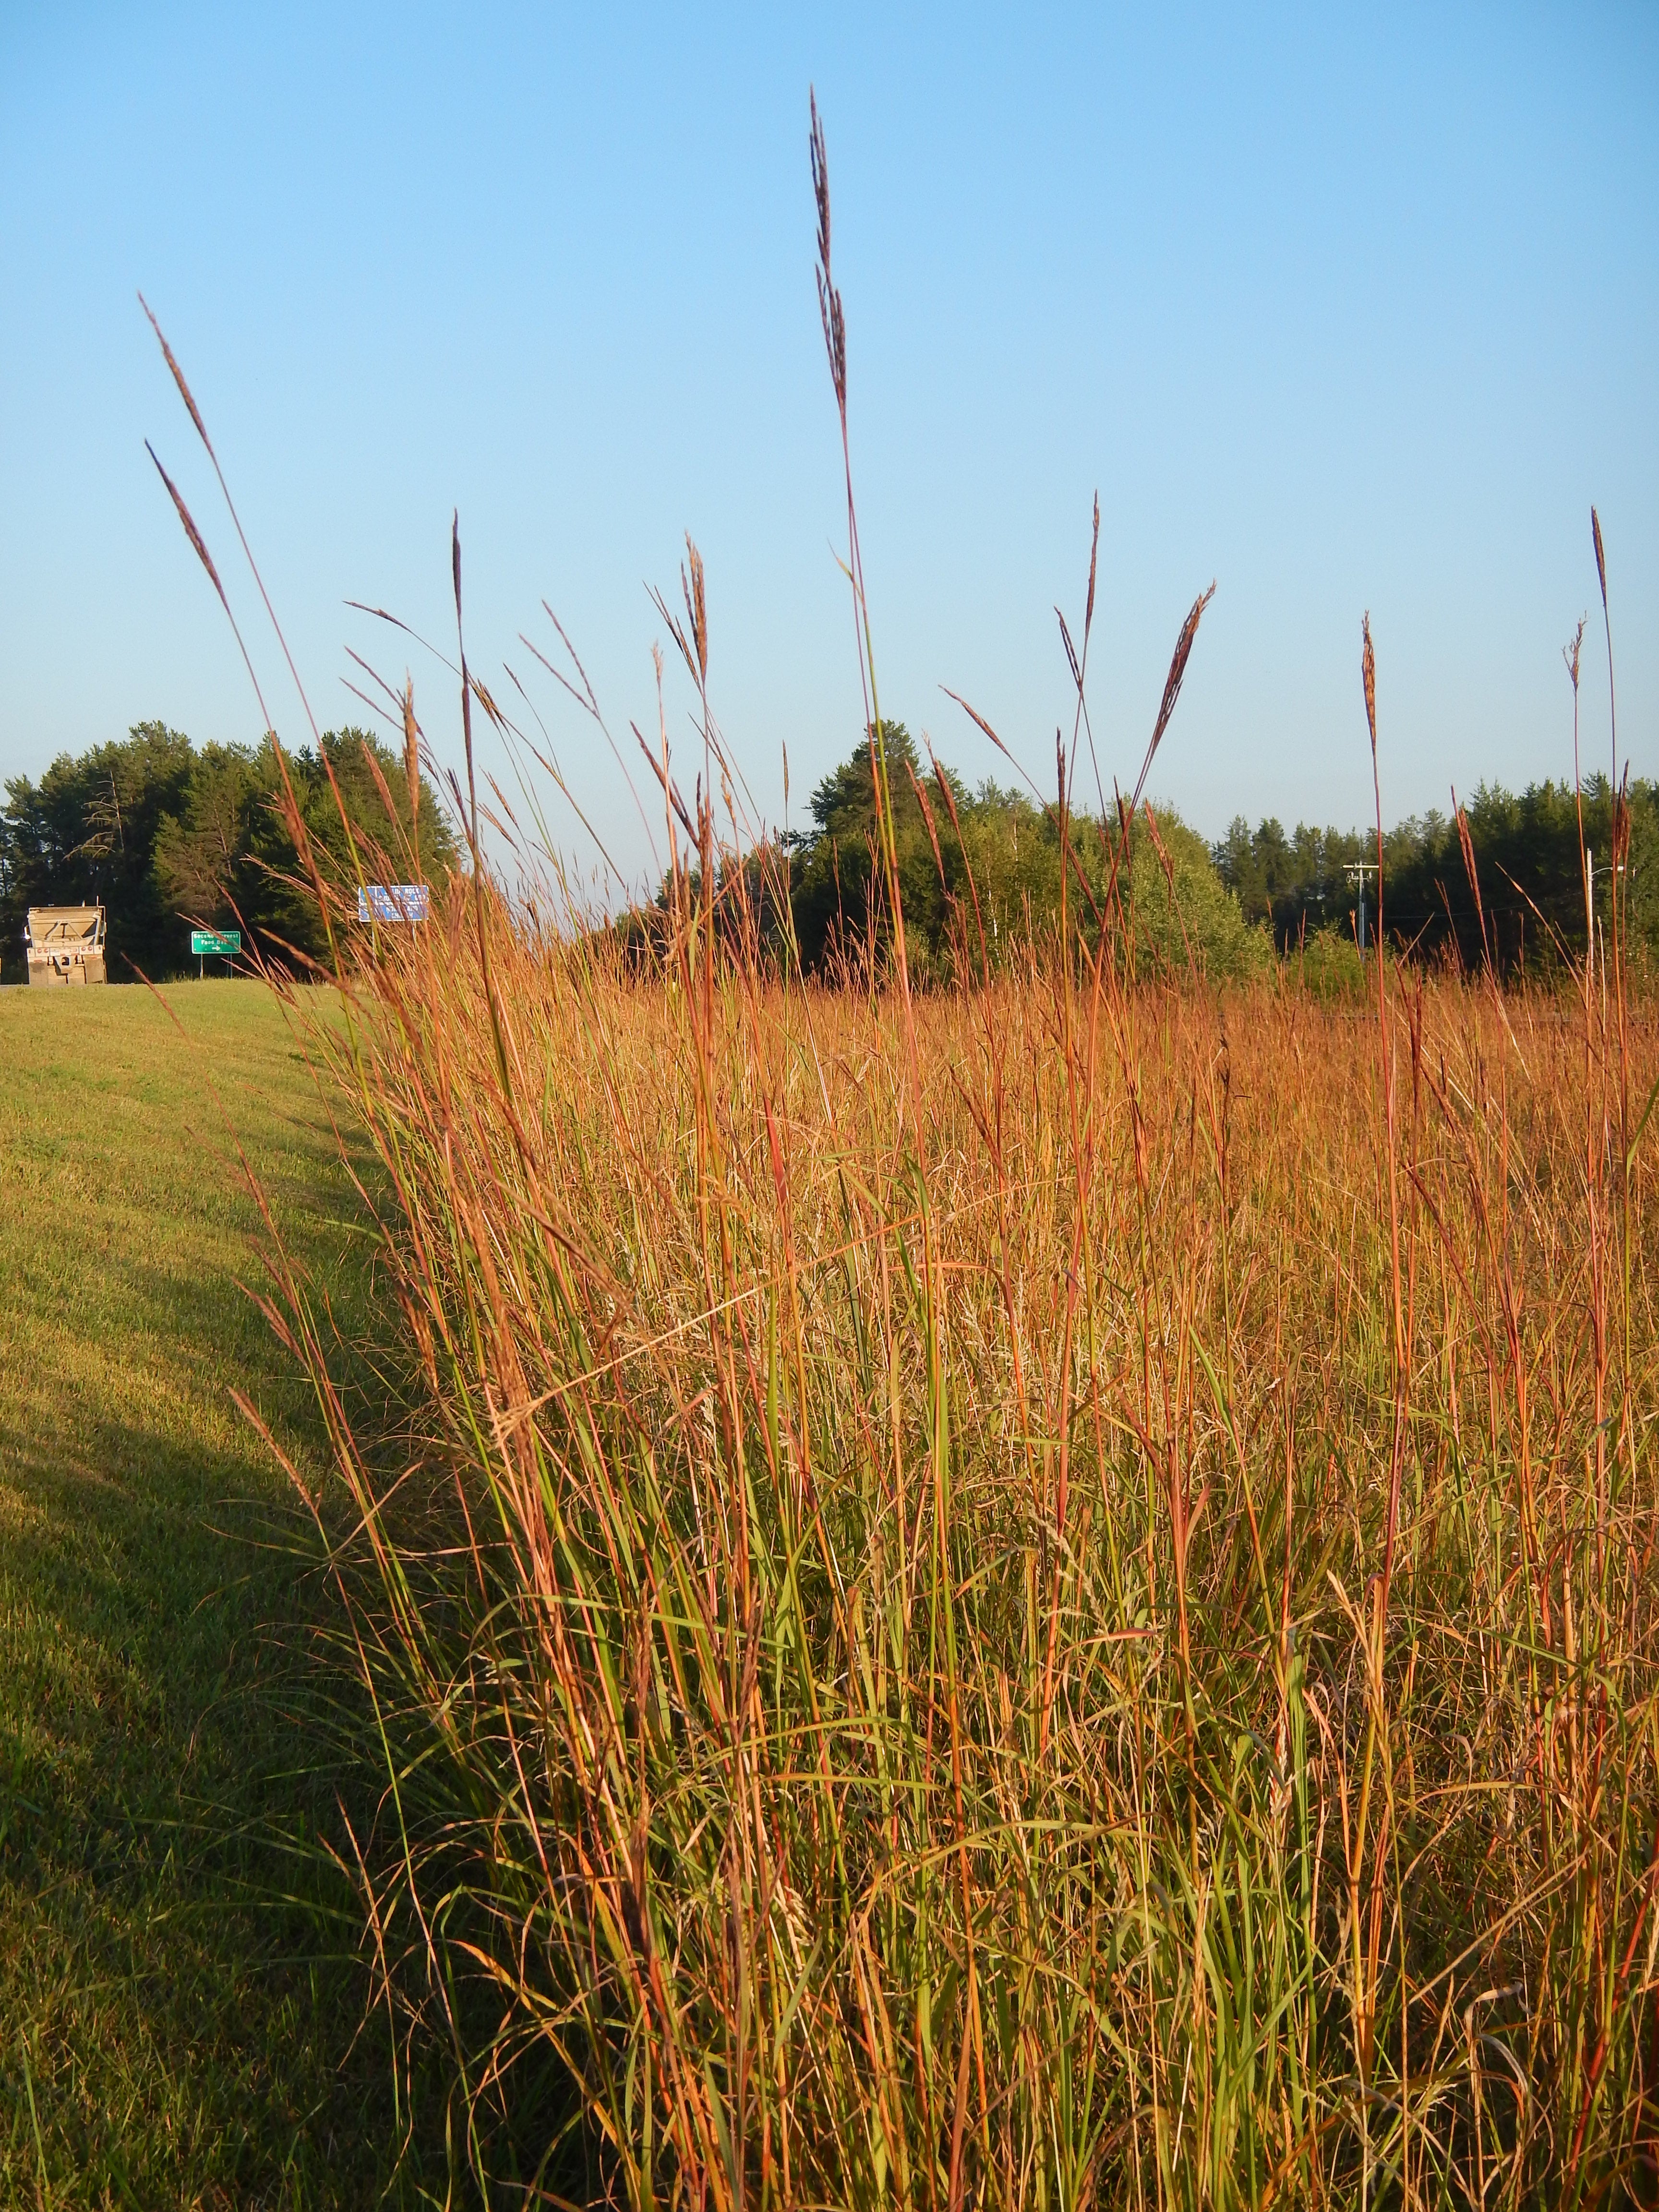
{"x": 172, "y": 2032}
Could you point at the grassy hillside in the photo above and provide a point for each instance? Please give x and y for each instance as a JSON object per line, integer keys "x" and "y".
{"x": 169, "y": 2037}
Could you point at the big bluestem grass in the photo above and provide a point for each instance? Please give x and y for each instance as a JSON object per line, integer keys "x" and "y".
{"x": 979, "y": 1625}
{"x": 1039, "y": 1595}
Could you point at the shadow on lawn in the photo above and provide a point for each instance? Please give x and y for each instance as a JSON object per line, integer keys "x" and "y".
{"x": 173, "y": 1746}
{"x": 184, "y": 1999}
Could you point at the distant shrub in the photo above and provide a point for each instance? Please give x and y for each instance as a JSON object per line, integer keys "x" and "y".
{"x": 1329, "y": 964}
{"x": 1185, "y": 919}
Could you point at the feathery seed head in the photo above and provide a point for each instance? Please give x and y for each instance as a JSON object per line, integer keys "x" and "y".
{"x": 1570, "y": 651}
{"x": 834, "y": 327}
{"x": 1070, "y": 653}
{"x": 178, "y": 379}
{"x": 191, "y": 531}
{"x": 1178, "y": 661}
{"x": 696, "y": 607}
{"x": 1367, "y": 675}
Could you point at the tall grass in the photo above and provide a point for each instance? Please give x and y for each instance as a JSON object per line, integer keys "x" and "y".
{"x": 986, "y": 1619}
{"x": 1040, "y": 1595}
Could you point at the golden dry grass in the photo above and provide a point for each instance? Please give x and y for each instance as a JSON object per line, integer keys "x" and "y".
{"x": 978, "y": 1627}
{"x": 1034, "y": 1598}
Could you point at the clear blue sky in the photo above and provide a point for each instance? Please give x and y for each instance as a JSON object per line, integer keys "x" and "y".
{"x": 1344, "y": 308}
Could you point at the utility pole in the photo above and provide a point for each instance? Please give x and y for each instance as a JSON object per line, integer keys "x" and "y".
{"x": 1360, "y": 870}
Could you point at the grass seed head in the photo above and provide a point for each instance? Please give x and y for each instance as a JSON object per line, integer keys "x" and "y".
{"x": 834, "y": 325}
{"x": 1094, "y": 563}
{"x": 178, "y": 379}
{"x": 696, "y": 608}
{"x": 412, "y": 749}
{"x": 1570, "y": 651}
{"x": 1070, "y": 651}
{"x": 1178, "y": 661}
{"x": 1172, "y": 683}
{"x": 191, "y": 531}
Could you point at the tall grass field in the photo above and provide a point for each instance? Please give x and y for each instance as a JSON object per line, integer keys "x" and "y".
{"x": 1039, "y": 1595}
{"x": 1038, "y": 1592}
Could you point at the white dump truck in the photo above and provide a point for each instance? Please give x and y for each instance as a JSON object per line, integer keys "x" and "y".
{"x": 65, "y": 944}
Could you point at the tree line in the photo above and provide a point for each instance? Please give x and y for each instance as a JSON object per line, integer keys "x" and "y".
{"x": 980, "y": 874}
{"x": 167, "y": 836}
{"x": 1524, "y": 907}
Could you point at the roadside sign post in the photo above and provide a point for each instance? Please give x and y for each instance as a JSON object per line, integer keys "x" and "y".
{"x": 394, "y": 902}
{"x": 215, "y": 943}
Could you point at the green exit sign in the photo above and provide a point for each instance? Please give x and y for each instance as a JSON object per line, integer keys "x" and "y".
{"x": 216, "y": 944}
